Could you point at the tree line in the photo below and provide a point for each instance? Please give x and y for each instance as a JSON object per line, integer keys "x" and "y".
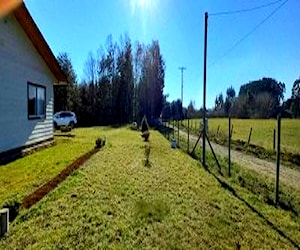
{"x": 122, "y": 83}
{"x": 263, "y": 98}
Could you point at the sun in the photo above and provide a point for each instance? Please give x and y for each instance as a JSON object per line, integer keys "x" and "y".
{"x": 142, "y": 5}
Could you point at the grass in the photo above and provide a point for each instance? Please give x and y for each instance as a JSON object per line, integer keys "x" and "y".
{"x": 23, "y": 176}
{"x": 260, "y": 186}
{"x": 262, "y": 131}
{"x": 116, "y": 202}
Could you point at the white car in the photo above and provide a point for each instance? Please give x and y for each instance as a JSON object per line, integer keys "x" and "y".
{"x": 64, "y": 118}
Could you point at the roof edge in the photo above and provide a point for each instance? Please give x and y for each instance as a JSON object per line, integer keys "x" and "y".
{"x": 32, "y": 31}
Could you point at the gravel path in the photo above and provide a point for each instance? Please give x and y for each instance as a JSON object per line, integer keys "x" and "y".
{"x": 288, "y": 175}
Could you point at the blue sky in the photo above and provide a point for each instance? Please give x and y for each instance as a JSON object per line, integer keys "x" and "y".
{"x": 273, "y": 50}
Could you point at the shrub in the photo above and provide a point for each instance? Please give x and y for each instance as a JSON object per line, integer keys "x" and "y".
{"x": 100, "y": 142}
{"x": 146, "y": 135}
{"x": 134, "y": 126}
{"x": 13, "y": 206}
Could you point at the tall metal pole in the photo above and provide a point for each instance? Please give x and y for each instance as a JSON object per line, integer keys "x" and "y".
{"x": 277, "y": 160}
{"x": 204, "y": 91}
{"x": 229, "y": 144}
{"x": 181, "y": 69}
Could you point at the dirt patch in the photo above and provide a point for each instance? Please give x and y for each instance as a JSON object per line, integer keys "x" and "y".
{"x": 288, "y": 175}
{"x": 49, "y": 186}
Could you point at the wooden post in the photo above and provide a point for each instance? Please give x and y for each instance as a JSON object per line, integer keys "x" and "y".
{"x": 274, "y": 139}
{"x": 4, "y": 221}
{"x": 229, "y": 144}
{"x": 277, "y": 160}
{"x": 218, "y": 130}
{"x": 249, "y": 138}
{"x": 188, "y": 139}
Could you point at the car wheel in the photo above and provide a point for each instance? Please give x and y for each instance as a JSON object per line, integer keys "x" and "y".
{"x": 55, "y": 125}
{"x": 72, "y": 124}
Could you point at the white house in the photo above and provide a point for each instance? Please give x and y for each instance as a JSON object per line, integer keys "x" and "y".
{"x": 28, "y": 71}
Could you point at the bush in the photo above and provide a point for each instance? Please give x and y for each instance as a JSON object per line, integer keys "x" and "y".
{"x": 146, "y": 135}
{"x": 13, "y": 206}
{"x": 134, "y": 126}
{"x": 100, "y": 142}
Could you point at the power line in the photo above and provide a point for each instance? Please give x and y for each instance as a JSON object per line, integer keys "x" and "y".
{"x": 250, "y": 32}
{"x": 244, "y": 10}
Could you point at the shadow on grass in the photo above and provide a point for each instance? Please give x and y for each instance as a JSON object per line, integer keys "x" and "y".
{"x": 65, "y": 135}
{"x": 253, "y": 209}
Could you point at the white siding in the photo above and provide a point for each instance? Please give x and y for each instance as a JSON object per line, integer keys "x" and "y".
{"x": 20, "y": 63}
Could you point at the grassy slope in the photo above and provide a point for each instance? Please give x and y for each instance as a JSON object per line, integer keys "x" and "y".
{"x": 116, "y": 202}
{"x": 23, "y": 176}
{"x": 262, "y": 134}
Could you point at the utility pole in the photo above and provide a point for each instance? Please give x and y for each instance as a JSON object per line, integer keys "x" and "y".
{"x": 181, "y": 69}
{"x": 204, "y": 91}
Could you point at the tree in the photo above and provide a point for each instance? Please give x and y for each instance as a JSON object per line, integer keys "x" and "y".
{"x": 66, "y": 97}
{"x": 90, "y": 68}
{"x": 126, "y": 82}
{"x": 191, "y": 111}
{"x": 295, "y": 103}
{"x": 176, "y": 108}
{"x": 219, "y": 102}
{"x": 230, "y": 95}
{"x": 296, "y": 89}
{"x": 253, "y": 89}
{"x": 151, "y": 84}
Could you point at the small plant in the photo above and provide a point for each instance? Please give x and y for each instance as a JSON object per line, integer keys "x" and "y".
{"x": 134, "y": 126}
{"x": 13, "y": 205}
{"x": 100, "y": 142}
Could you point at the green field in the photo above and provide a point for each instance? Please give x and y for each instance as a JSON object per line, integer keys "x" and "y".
{"x": 23, "y": 176}
{"x": 262, "y": 131}
{"x": 115, "y": 202}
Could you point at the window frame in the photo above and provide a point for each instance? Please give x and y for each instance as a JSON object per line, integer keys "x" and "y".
{"x": 36, "y": 86}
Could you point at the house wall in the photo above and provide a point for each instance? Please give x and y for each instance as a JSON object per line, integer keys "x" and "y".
{"x": 20, "y": 63}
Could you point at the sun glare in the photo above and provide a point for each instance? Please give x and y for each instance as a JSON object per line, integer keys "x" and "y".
{"x": 142, "y": 5}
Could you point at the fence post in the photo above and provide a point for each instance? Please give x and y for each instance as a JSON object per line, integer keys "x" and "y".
{"x": 274, "y": 139}
{"x": 218, "y": 131}
{"x": 249, "y": 138}
{"x": 229, "y": 144}
{"x": 173, "y": 128}
{"x": 178, "y": 131}
{"x": 188, "y": 139}
{"x": 277, "y": 159}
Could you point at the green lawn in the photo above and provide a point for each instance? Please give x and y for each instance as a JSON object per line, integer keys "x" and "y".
{"x": 114, "y": 201}
{"x": 23, "y": 176}
{"x": 262, "y": 131}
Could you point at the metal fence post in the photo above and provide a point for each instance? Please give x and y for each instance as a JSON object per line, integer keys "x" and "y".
{"x": 274, "y": 139}
{"x": 188, "y": 139}
{"x": 229, "y": 144}
{"x": 277, "y": 159}
{"x": 249, "y": 138}
{"x": 178, "y": 131}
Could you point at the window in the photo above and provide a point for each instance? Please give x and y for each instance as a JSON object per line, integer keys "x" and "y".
{"x": 36, "y": 101}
